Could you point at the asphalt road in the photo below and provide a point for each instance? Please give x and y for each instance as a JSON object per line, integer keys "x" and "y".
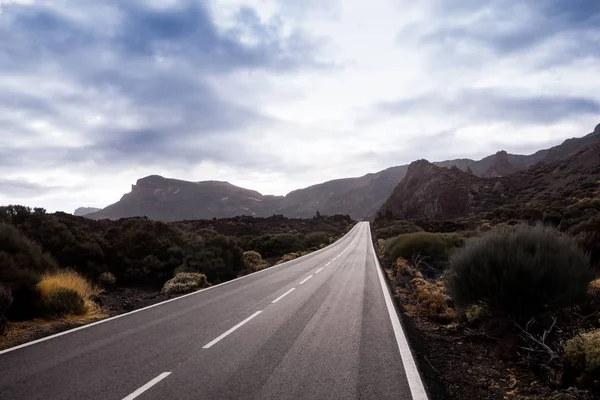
{"x": 318, "y": 327}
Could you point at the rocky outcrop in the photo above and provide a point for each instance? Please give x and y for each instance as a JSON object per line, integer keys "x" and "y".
{"x": 82, "y": 211}
{"x": 429, "y": 191}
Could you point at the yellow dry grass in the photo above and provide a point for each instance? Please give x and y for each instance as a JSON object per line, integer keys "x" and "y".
{"x": 594, "y": 288}
{"x": 69, "y": 279}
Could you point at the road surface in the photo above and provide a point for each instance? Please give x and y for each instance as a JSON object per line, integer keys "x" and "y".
{"x": 319, "y": 327}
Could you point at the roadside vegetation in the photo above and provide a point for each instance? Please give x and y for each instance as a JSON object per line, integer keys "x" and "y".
{"x": 508, "y": 310}
{"x": 57, "y": 266}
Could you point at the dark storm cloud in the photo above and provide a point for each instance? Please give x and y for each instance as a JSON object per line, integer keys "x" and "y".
{"x": 492, "y": 105}
{"x": 512, "y": 26}
{"x": 129, "y": 58}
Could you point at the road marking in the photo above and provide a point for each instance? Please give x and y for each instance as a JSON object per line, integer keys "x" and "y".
{"x": 170, "y": 300}
{"x": 319, "y": 270}
{"x": 283, "y": 295}
{"x": 229, "y": 332}
{"x": 306, "y": 279}
{"x": 147, "y": 386}
{"x": 328, "y": 264}
{"x": 410, "y": 368}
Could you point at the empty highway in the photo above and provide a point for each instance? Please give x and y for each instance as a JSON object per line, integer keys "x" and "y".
{"x": 319, "y": 327}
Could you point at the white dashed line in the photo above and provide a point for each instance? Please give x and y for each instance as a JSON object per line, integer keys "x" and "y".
{"x": 306, "y": 279}
{"x": 319, "y": 270}
{"x": 283, "y": 295}
{"x": 217, "y": 340}
{"x": 328, "y": 264}
{"x": 147, "y": 386}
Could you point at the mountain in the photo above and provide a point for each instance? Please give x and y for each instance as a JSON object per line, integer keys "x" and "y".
{"x": 82, "y": 211}
{"x": 361, "y": 197}
{"x": 432, "y": 192}
{"x": 503, "y": 163}
{"x": 357, "y": 197}
{"x": 174, "y": 200}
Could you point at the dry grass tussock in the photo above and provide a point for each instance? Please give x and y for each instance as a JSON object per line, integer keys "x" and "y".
{"x": 432, "y": 300}
{"x": 52, "y": 283}
{"x": 24, "y": 331}
{"x": 292, "y": 256}
{"x": 594, "y": 288}
{"x": 424, "y": 298}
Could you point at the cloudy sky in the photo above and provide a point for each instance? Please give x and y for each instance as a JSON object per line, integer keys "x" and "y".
{"x": 275, "y": 95}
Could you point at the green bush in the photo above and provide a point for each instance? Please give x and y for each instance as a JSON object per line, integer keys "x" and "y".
{"x": 477, "y": 313}
{"x": 277, "y": 245}
{"x": 5, "y": 302}
{"x": 107, "y": 280}
{"x": 435, "y": 247}
{"x": 582, "y": 359}
{"x": 253, "y": 261}
{"x": 185, "y": 282}
{"x": 587, "y": 234}
{"x": 21, "y": 264}
{"x": 397, "y": 228}
{"x": 520, "y": 270}
{"x": 63, "y": 301}
{"x": 316, "y": 239}
{"x": 218, "y": 257}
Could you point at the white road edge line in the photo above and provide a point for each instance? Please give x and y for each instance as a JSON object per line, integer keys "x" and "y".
{"x": 229, "y": 332}
{"x": 412, "y": 373}
{"x": 166, "y": 301}
{"x": 147, "y": 386}
{"x": 319, "y": 270}
{"x": 283, "y": 295}
{"x": 306, "y": 280}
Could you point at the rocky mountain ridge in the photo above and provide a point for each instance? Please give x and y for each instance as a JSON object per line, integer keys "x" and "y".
{"x": 171, "y": 199}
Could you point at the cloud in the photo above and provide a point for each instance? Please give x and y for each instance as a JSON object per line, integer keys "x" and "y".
{"x": 557, "y": 32}
{"x": 134, "y": 81}
{"x": 493, "y": 105}
{"x": 275, "y": 94}
{"x": 10, "y": 187}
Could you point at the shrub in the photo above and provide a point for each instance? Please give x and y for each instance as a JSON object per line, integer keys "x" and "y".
{"x": 5, "y": 302}
{"x": 432, "y": 301}
{"x": 402, "y": 269}
{"x": 277, "y": 245}
{"x": 219, "y": 258}
{"x": 587, "y": 234}
{"x": 62, "y": 302}
{"x": 316, "y": 239}
{"x": 55, "y": 282}
{"x": 397, "y": 228}
{"x": 21, "y": 264}
{"x": 107, "y": 280}
{"x": 477, "y": 313}
{"x": 435, "y": 247}
{"x": 290, "y": 257}
{"x": 594, "y": 288}
{"x": 582, "y": 359}
{"x": 520, "y": 270}
{"x": 185, "y": 282}
{"x": 253, "y": 261}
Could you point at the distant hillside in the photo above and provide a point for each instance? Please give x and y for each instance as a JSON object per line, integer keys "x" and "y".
{"x": 357, "y": 197}
{"x": 82, "y": 211}
{"x": 173, "y": 200}
{"x": 432, "y": 192}
{"x": 170, "y": 199}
